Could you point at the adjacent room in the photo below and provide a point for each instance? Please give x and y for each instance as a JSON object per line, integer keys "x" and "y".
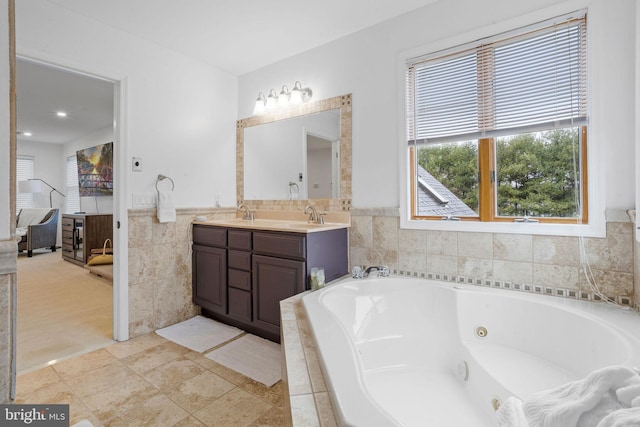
{"x": 419, "y": 212}
{"x": 62, "y": 117}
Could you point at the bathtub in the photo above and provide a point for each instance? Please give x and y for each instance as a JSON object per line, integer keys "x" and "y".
{"x": 411, "y": 352}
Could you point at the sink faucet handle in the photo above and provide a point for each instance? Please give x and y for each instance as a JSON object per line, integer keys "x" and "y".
{"x": 247, "y": 214}
{"x": 313, "y": 213}
{"x": 356, "y": 272}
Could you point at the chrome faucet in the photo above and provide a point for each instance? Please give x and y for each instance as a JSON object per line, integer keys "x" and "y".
{"x": 314, "y": 216}
{"x": 247, "y": 214}
{"x": 381, "y": 271}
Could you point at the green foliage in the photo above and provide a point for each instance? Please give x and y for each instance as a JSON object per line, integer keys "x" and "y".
{"x": 456, "y": 167}
{"x": 535, "y": 172}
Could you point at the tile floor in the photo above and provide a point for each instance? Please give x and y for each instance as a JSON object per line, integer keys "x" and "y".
{"x": 150, "y": 381}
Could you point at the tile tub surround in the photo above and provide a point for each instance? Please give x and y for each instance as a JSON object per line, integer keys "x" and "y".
{"x": 160, "y": 267}
{"x": 306, "y": 399}
{"x": 541, "y": 264}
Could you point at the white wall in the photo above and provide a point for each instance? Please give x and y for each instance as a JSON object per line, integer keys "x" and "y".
{"x": 103, "y": 205}
{"x": 366, "y": 65}
{"x": 5, "y": 130}
{"x": 175, "y": 119}
{"x": 637, "y": 111}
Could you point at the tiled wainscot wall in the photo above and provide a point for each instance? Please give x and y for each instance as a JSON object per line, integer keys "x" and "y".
{"x": 160, "y": 268}
{"x": 541, "y": 264}
{"x": 160, "y": 260}
{"x": 636, "y": 261}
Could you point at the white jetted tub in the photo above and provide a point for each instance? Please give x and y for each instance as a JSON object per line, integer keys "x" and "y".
{"x": 413, "y": 352}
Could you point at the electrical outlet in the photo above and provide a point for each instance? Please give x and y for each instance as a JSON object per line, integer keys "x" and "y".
{"x": 144, "y": 201}
{"x": 136, "y": 164}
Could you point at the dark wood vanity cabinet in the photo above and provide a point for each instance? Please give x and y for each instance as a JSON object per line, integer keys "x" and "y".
{"x": 241, "y": 275}
{"x": 209, "y": 262}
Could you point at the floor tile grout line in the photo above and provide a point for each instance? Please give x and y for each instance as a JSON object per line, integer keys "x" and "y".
{"x": 242, "y": 384}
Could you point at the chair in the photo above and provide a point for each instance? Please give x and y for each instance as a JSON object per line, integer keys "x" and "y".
{"x": 42, "y": 233}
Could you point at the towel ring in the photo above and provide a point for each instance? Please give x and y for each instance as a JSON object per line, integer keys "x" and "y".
{"x": 162, "y": 177}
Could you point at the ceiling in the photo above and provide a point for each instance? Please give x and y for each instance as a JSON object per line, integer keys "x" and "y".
{"x": 42, "y": 91}
{"x": 234, "y": 36}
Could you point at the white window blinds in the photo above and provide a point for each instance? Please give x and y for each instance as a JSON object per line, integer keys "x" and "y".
{"x": 508, "y": 84}
{"x": 24, "y": 171}
{"x": 72, "y": 201}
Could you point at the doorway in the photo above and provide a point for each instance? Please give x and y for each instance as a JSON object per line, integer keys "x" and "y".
{"x": 59, "y": 112}
{"x": 322, "y": 166}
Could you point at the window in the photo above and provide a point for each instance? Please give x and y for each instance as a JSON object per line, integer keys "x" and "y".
{"x": 497, "y": 130}
{"x": 72, "y": 201}
{"x": 24, "y": 171}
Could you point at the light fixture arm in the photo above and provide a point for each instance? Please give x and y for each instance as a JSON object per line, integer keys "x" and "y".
{"x": 51, "y": 192}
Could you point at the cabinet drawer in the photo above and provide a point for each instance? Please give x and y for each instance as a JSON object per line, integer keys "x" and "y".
{"x": 239, "y": 259}
{"x": 67, "y": 223}
{"x": 239, "y": 279}
{"x": 239, "y": 239}
{"x": 278, "y": 244}
{"x": 240, "y": 304}
{"x": 210, "y": 236}
{"x": 67, "y": 237}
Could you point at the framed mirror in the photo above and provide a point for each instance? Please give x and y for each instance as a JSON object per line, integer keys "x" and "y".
{"x": 297, "y": 155}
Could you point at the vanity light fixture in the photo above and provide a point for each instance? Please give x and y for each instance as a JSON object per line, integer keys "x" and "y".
{"x": 272, "y": 100}
{"x": 258, "y": 110}
{"x": 283, "y": 98}
{"x": 297, "y": 96}
{"x": 300, "y": 95}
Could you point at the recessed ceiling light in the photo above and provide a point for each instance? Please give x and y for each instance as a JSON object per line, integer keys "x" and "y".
{"x": 26, "y": 133}
{"x": 61, "y": 114}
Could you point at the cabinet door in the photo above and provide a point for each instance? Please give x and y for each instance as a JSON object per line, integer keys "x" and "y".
{"x": 210, "y": 278}
{"x": 274, "y": 279}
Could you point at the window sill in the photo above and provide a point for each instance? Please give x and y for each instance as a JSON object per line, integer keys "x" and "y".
{"x": 596, "y": 228}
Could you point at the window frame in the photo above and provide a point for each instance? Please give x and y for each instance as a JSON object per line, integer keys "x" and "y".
{"x": 593, "y": 184}
{"x": 72, "y": 200}
{"x": 487, "y": 187}
{"x": 26, "y": 200}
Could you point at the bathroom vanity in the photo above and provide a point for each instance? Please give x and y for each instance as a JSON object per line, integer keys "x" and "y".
{"x": 243, "y": 269}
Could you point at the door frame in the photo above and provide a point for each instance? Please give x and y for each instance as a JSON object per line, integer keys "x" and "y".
{"x": 120, "y": 215}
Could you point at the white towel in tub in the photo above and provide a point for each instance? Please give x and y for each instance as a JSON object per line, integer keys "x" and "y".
{"x": 590, "y": 402}
{"x": 166, "y": 208}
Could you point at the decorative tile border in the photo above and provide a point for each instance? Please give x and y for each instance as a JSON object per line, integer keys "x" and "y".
{"x": 622, "y": 300}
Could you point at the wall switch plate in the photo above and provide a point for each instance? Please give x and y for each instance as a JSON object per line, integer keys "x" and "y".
{"x": 136, "y": 164}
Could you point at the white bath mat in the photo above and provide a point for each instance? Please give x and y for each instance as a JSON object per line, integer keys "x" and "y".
{"x": 252, "y": 356}
{"x": 199, "y": 333}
